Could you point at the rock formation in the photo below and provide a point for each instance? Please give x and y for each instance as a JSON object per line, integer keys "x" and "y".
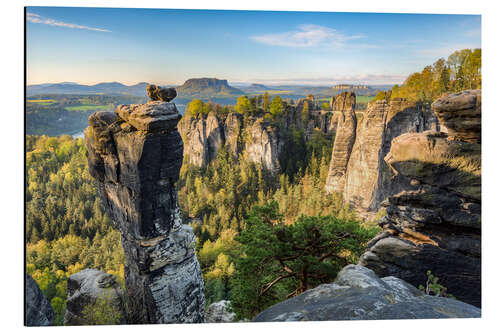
{"x": 135, "y": 155}
{"x": 85, "y": 288}
{"x": 434, "y": 223}
{"x": 263, "y": 145}
{"x": 359, "y": 294}
{"x": 345, "y": 136}
{"x": 461, "y": 115}
{"x": 38, "y": 311}
{"x": 157, "y": 93}
{"x": 203, "y": 138}
{"x": 219, "y": 313}
{"x": 360, "y": 173}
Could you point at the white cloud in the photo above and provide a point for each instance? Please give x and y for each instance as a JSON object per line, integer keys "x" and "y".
{"x": 308, "y": 35}
{"x": 35, "y": 18}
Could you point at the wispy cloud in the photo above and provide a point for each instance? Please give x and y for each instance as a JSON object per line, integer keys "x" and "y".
{"x": 308, "y": 35}
{"x": 35, "y": 18}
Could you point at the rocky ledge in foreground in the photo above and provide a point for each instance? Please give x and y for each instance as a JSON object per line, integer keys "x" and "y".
{"x": 135, "y": 154}
{"x": 358, "y": 294}
{"x": 85, "y": 288}
{"x": 435, "y": 224}
{"x": 38, "y": 310}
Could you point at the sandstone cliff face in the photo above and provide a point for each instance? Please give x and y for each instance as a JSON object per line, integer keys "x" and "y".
{"x": 357, "y": 168}
{"x": 344, "y": 141}
{"x": 85, "y": 288}
{"x": 203, "y": 138}
{"x": 135, "y": 155}
{"x": 358, "y": 294}
{"x": 38, "y": 311}
{"x": 263, "y": 145}
{"x": 435, "y": 222}
{"x": 258, "y": 140}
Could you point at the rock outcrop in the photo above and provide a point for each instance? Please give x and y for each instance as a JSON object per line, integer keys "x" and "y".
{"x": 345, "y": 136}
{"x": 359, "y": 294}
{"x": 157, "y": 93}
{"x": 203, "y": 138}
{"x": 435, "y": 222}
{"x": 364, "y": 179}
{"x": 461, "y": 115}
{"x": 263, "y": 145}
{"x": 219, "y": 312}
{"x": 38, "y": 311}
{"x": 85, "y": 288}
{"x": 135, "y": 154}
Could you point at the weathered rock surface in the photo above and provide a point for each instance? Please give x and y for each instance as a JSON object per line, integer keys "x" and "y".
{"x": 368, "y": 180}
{"x": 344, "y": 141}
{"x": 461, "y": 114}
{"x": 219, "y": 313}
{"x": 85, "y": 288}
{"x": 358, "y": 294}
{"x": 135, "y": 154}
{"x": 157, "y": 93}
{"x": 263, "y": 145}
{"x": 38, "y": 311}
{"x": 435, "y": 222}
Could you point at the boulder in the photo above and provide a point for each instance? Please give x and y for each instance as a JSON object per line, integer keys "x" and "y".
{"x": 85, "y": 288}
{"x": 136, "y": 156}
{"x": 38, "y": 311}
{"x": 219, "y": 312}
{"x": 460, "y": 113}
{"x": 157, "y": 93}
{"x": 358, "y": 294}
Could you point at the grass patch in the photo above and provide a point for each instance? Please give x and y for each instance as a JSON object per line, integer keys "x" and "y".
{"x": 364, "y": 99}
{"x": 43, "y": 102}
{"x": 88, "y": 107}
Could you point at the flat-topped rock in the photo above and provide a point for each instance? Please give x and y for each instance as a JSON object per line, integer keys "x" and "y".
{"x": 460, "y": 113}
{"x": 152, "y": 116}
{"x": 358, "y": 294}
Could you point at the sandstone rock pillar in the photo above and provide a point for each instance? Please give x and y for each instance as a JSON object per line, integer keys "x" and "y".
{"x": 345, "y": 136}
{"x": 135, "y": 154}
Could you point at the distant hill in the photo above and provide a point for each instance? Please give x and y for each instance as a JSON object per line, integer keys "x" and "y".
{"x": 207, "y": 87}
{"x": 257, "y": 87}
{"x": 106, "y": 88}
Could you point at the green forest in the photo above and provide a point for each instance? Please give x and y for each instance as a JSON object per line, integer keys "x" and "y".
{"x": 260, "y": 237}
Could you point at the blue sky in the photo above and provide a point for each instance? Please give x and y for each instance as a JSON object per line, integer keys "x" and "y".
{"x": 91, "y": 45}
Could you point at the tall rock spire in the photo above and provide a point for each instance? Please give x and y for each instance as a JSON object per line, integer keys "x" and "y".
{"x": 135, "y": 154}
{"x": 344, "y": 104}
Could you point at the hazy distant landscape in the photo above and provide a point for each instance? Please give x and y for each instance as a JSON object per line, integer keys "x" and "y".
{"x": 191, "y": 166}
{"x": 62, "y": 108}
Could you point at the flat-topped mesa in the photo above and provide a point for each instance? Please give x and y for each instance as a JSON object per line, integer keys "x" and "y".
{"x": 461, "y": 114}
{"x": 434, "y": 223}
{"x": 135, "y": 154}
{"x": 344, "y": 105}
